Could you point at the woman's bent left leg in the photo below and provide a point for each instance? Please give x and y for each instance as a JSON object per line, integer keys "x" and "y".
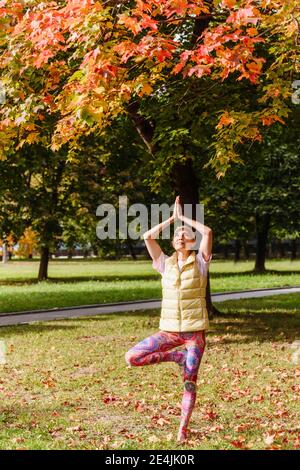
{"x": 155, "y": 349}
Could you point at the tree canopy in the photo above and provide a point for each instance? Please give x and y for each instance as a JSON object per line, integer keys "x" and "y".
{"x": 85, "y": 62}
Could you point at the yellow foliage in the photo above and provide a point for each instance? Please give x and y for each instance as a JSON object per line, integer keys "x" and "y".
{"x": 27, "y": 243}
{"x": 145, "y": 90}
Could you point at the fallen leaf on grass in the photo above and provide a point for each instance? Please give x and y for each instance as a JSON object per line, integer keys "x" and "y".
{"x": 74, "y": 429}
{"x": 236, "y": 394}
{"x": 217, "y": 428}
{"x": 111, "y": 399}
{"x": 242, "y": 427}
{"x": 55, "y": 433}
{"x": 159, "y": 420}
{"x": 281, "y": 413}
{"x": 18, "y": 440}
{"x": 273, "y": 391}
{"x": 90, "y": 338}
{"x": 297, "y": 443}
{"x": 269, "y": 439}
{"x": 258, "y": 398}
{"x": 209, "y": 414}
{"x": 140, "y": 407}
{"x": 239, "y": 443}
{"x": 153, "y": 439}
{"x": 129, "y": 436}
{"x": 105, "y": 440}
{"x": 49, "y": 383}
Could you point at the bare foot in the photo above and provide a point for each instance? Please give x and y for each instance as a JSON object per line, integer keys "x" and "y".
{"x": 182, "y": 435}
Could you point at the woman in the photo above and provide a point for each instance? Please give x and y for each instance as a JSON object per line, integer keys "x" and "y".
{"x": 184, "y": 316}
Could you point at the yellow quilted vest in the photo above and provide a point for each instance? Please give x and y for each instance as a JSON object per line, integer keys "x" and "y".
{"x": 183, "y": 296}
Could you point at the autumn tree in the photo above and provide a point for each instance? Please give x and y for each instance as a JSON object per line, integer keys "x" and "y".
{"x": 91, "y": 60}
{"x": 87, "y": 62}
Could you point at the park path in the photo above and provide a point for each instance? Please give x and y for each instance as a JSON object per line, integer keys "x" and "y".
{"x": 7, "y": 319}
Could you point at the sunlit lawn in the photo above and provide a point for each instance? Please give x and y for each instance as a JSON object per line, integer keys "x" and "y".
{"x": 66, "y": 385}
{"x": 81, "y": 282}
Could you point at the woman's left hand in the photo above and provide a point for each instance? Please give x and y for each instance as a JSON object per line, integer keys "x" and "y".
{"x": 177, "y": 208}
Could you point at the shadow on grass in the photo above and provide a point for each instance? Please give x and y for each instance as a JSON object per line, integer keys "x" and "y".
{"x": 74, "y": 279}
{"x": 218, "y": 275}
{"x": 231, "y": 327}
{"x": 240, "y": 321}
{"x": 43, "y": 327}
{"x": 235, "y": 326}
{"x": 252, "y": 326}
{"x": 138, "y": 277}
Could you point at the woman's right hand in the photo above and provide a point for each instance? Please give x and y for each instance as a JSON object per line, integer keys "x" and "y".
{"x": 177, "y": 213}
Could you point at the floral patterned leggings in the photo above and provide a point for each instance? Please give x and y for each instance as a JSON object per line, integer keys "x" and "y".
{"x": 156, "y": 348}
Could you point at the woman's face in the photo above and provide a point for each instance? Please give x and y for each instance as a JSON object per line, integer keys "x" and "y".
{"x": 182, "y": 240}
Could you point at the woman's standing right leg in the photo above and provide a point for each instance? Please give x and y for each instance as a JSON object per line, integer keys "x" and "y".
{"x": 155, "y": 349}
{"x": 195, "y": 345}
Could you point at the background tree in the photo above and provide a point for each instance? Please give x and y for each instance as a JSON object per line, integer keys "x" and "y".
{"x": 260, "y": 197}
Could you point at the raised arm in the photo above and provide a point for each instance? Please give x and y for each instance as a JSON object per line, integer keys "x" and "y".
{"x": 152, "y": 246}
{"x": 206, "y": 242}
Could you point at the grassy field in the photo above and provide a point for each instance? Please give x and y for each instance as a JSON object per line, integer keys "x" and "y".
{"x": 90, "y": 282}
{"x": 66, "y": 385}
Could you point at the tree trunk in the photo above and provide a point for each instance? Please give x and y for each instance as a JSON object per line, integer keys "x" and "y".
{"x": 185, "y": 184}
{"x": 262, "y": 230}
{"x": 272, "y": 249}
{"x": 246, "y": 249}
{"x": 237, "y": 250}
{"x": 95, "y": 249}
{"x": 131, "y": 249}
{"x": 281, "y": 249}
{"x": 183, "y": 175}
{"x": 4, "y": 253}
{"x": 211, "y": 309}
{"x": 44, "y": 261}
{"x": 118, "y": 253}
{"x": 293, "y": 250}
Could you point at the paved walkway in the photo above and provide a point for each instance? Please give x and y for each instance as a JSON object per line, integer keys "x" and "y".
{"x": 7, "y": 319}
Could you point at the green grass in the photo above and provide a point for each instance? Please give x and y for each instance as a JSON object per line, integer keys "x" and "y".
{"x": 66, "y": 385}
{"x": 81, "y": 282}
{"x": 76, "y": 270}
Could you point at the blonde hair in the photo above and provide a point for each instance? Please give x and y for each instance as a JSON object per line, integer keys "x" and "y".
{"x": 191, "y": 235}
